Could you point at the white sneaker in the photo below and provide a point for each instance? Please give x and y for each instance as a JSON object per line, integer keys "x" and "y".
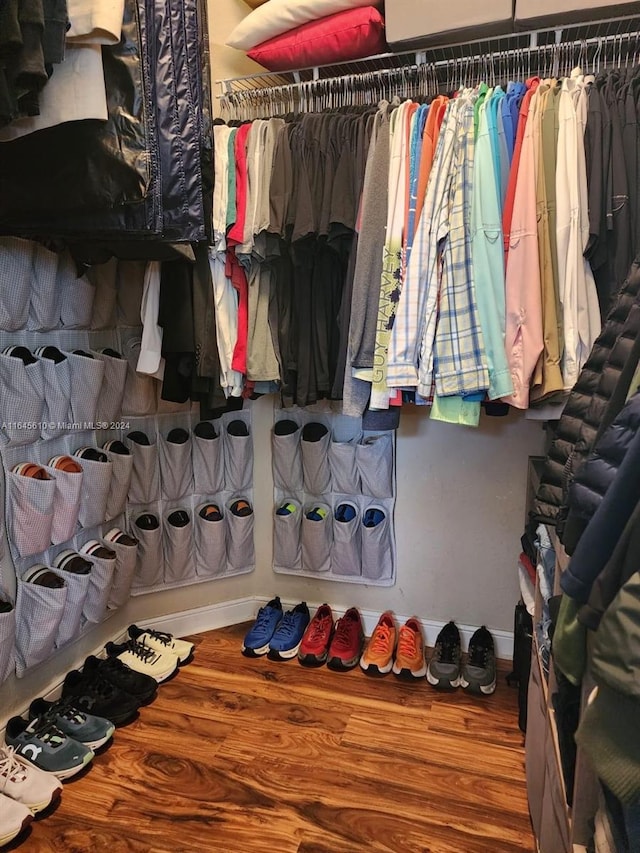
{"x": 14, "y": 817}
{"x": 24, "y": 782}
{"x": 143, "y": 658}
{"x": 162, "y": 642}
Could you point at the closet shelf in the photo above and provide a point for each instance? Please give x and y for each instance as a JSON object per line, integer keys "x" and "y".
{"x": 589, "y": 37}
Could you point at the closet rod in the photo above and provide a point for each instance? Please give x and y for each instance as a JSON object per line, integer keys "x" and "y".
{"x": 589, "y": 32}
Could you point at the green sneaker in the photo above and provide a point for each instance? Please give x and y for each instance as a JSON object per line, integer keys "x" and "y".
{"x": 44, "y": 745}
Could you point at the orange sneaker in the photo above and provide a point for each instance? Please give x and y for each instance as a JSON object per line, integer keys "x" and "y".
{"x": 410, "y": 662}
{"x": 378, "y": 656}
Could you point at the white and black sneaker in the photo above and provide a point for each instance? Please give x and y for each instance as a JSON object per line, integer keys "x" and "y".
{"x": 162, "y": 641}
{"x": 479, "y": 670}
{"x": 444, "y": 670}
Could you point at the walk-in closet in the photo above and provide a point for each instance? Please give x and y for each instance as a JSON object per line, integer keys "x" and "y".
{"x": 319, "y": 374}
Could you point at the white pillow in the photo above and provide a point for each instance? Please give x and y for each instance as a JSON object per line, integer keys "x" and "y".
{"x": 280, "y": 16}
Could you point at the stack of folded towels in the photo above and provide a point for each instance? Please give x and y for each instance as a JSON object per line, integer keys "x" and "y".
{"x": 285, "y": 34}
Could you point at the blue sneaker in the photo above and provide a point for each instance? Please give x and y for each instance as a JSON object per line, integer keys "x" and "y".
{"x": 286, "y": 641}
{"x": 257, "y": 639}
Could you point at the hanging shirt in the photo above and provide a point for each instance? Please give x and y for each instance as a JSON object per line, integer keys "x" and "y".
{"x": 430, "y": 137}
{"x": 488, "y": 258}
{"x": 418, "y": 126}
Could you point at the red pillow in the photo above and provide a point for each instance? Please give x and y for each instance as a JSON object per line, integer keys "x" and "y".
{"x": 348, "y": 35}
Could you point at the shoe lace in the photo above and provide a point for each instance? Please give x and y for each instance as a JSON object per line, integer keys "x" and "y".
{"x": 319, "y": 628}
{"x": 100, "y": 685}
{"x": 478, "y": 656}
{"x": 287, "y": 626}
{"x": 48, "y": 733}
{"x": 64, "y": 708}
{"x": 10, "y": 767}
{"x": 446, "y": 651}
{"x": 263, "y": 618}
{"x": 142, "y": 651}
{"x": 407, "y": 642}
{"x": 342, "y": 637}
{"x": 161, "y": 636}
{"x": 380, "y": 639}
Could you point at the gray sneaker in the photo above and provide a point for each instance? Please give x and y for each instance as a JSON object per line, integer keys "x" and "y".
{"x": 443, "y": 671}
{"x": 44, "y": 745}
{"x": 86, "y": 728}
{"x": 479, "y": 670}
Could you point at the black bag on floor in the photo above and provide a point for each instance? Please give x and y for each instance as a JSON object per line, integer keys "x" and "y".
{"x": 519, "y": 676}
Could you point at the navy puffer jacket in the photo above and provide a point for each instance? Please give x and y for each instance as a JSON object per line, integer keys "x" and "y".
{"x": 598, "y": 472}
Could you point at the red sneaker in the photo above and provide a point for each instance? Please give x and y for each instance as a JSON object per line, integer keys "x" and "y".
{"x": 346, "y": 646}
{"x": 315, "y": 642}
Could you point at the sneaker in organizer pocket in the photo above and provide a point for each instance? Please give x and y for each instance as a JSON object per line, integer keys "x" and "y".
{"x": 238, "y": 428}
{"x": 345, "y": 513}
{"x": 24, "y": 783}
{"x": 116, "y": 446}
{"x": 206, "y": 430}
{"x": 256, "y": 640}
{"x": 347, "y": 642}
{"x": 178, "y": 436}
{"x": 42, "y": 575}
{"x": 82, "y": 726}
{"x": 71, "y": 561}
{"x": 141, "y": 657}
{"x": 179, "y": 518}
{"x": 119, "y": 537}
{"x": 23, "y": 353}
{"x": 95, "y": 548}
{"x": 163, "y": 641}
{"x": 314, "y": 646}
{"x": 92, "y": 454}
{"x": 51, "y": 353}
{"x": 30, "y": 469}
{"x": 147, "y": 521}
{"x": 210, "y": 512}
{"x": 373, "y": 517}
{"x": 241, "y": 507}
{"x": 377, "y": 658}
{"x": 286, "y": 639}
{"x": 42, "y": 743}
{"x": 65, "y": 463}
{"x": 139, "y": 437}
{"x": 409, "y": 661}
{"x": 317, "y": 513}
{"x": 286, "y": 508}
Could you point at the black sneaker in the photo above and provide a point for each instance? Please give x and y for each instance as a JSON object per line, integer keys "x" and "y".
{"x": 143, "y": 688}
{"x": 479, "y": 670}
{"x": 93, "y": 693}
{"x": 443, "y": 671}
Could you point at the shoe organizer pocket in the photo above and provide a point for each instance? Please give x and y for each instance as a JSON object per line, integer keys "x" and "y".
{"x": 316, "y": 539}
{"x": 238, "y": 456}
{"x": 150, "y": 565}
{"x": 66, "y": 503}
{"x": 240, "y": 546}
{"x": 100, "y": 583}
{"x": 175, "y": 468}
{"x": 39, "y": 611}
{"x": 96, "y": 482}
{"x": 121, "y": 471}
{"x": 30, "y": 510}
{"x": 15, "y": 285}
{"x": 103, "y": 278}
{"x": 76, "y": 296}
{"x": 145, "y": 474}
{"x": 286, "y": 458}
{"x": 178, "y": 548}
{"x": 57, "y": 396}
{"x": 77, "y": 587}
{"x": 208, "y": 464}
{"x": 314, "y": 446}
{"x": 7, "y": 643}
{"x": 44, "y": 305}
{"x": 345, "y": 551}
{"x": 109, "y": 403}
{"x": 123, "y": 573}
{"x": 375, "y": 463}
{"x": 86, "y": 382}
{"x": 287, "y": 551}
{"x": 21, "y": 400}
{"x": 130, "y": 287}
{"x": 345, "y": 477}
{"x": 210, "y": 545}
{"x": 376, "y": 550}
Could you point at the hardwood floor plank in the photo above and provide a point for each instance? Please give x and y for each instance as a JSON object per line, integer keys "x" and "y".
{"x": 253, "y": 756}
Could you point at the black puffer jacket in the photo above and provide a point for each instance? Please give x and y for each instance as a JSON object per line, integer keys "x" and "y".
{"x": 595, "y": 400}
{"x": 598, "y": 472}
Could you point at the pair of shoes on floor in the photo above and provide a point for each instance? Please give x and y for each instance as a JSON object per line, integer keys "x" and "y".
{"x": 398, "y": 649}
{"x": 339, "y": 645}
{"x": 25, "y": 790}
{"x": 276, "y": 633}
{"x": 154, "y": 653}
{"x": 476, "y": 674}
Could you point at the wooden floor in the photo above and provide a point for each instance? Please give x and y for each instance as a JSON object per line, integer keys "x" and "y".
{"x": 254, "y": 756}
